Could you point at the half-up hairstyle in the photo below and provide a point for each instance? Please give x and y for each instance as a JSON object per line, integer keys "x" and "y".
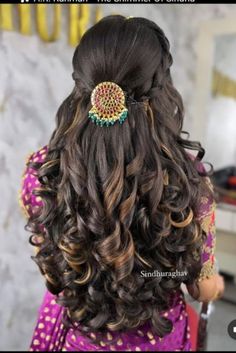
{"x": 123, "y": 199}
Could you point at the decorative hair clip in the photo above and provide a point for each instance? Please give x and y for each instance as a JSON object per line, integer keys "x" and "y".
{"x": 108, "y": 104}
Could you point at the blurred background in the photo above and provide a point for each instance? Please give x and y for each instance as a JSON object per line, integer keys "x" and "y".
{"x": 36, "y": 48}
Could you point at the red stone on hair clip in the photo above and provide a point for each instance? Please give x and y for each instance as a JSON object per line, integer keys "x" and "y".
{"x": 108, "y": 104}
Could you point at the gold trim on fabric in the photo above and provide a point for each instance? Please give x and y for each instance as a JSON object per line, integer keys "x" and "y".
{"x": 208, "y": 270}
{"x": 207, "y": 222}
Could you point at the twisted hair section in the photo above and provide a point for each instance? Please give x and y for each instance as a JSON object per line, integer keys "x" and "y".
{"x": 123, "y": 199}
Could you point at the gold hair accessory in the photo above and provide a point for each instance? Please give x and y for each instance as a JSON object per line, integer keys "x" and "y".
{"x": 183, "y": 223}
{"x": 108, "y": 104}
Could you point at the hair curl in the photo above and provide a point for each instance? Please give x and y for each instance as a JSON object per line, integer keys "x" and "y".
{"x": 112, "y": 196}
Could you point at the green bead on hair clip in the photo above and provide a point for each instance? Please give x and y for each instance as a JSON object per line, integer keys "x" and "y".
{"x": 107, "y": 101}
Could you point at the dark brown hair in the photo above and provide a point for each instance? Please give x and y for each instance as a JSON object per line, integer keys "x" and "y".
{"x": 112, "y": 195}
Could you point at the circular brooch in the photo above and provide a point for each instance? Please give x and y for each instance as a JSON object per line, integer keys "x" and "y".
{"x": 108, "y": 104}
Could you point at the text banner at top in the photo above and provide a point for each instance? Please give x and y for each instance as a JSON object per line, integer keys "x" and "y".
{"x": 103, "y": 2}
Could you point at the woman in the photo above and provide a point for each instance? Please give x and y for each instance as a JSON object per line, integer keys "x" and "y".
{"x": 120, "y": 213}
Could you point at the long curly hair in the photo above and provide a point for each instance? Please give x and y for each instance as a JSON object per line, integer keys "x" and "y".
{"x": 120, "y": 200}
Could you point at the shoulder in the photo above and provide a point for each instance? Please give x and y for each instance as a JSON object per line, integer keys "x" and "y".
{"x": 38, "y": 156}
{"x": 35, "y": 157}
{"x": 199, "y": 165}
{"x": 207, "y": 208}
{"x": 28, "y": 201}
{"x": 207, "y": 205}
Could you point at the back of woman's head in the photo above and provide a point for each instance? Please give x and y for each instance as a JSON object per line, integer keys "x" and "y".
{"x": 122, "y": 199}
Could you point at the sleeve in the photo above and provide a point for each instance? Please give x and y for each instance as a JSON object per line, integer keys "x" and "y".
{"x": 30, "y": 203}
{"x": 207, "y": 221}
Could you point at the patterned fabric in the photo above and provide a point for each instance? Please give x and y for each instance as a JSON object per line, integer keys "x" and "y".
{"x": 51, "y": 335}
{"x": 207, "y": 220}
{"x": 29, "y": 202}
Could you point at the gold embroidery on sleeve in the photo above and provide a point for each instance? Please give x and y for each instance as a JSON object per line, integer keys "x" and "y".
{"x": 208, "y": 270}
{"x": 207, "y": 221}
